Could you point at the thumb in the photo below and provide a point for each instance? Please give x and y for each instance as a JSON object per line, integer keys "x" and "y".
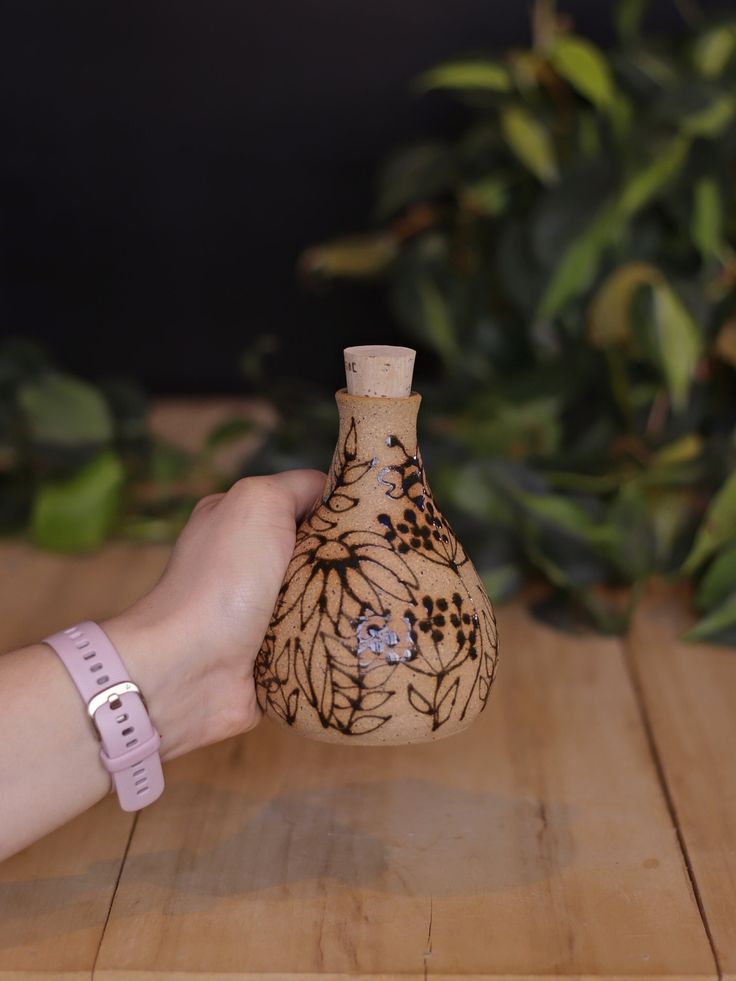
{"x": 301, "y": 487}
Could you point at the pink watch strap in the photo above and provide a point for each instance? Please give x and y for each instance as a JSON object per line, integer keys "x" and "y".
{"x": 129, "y": 741}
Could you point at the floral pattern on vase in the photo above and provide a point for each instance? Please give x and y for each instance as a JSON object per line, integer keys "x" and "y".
{"x": 382, "y": 632}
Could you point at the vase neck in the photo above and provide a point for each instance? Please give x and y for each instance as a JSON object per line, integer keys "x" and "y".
{"x": 374, "y": 427}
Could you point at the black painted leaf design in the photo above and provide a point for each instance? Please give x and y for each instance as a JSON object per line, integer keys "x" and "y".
{"x": 320, "y": 677}
{"x": 418, "y": 701}
{"x": 354, "y": 471}
{"x": 457, "y": 658}
{"x": 310, "y": 598}
{"x": 277, "y": 708}
{"x": 347, "y": 676}
{"x": 292, "y": 705}
{"x": 350, "y": 443}
{"x": 326, "y": 697}
{"x": 281, "y": 663}
{"x": 367, "y": 723}
{"x": 384, "y": 574}
{"x": 421, "y": 665}
{"x": 299, "y": 573}
{"x": 447, "y": 703}
{"x": 340, "y": 660}
{"x": 319, "y": 522}
{"x": 341, "y": 700}
{"x": 378, "y": 673}
{"x": 333, "y": 595}
{"x": 301, "y": 670}
{"x": 375, "y": 698}
{"x": 339, "y": 503}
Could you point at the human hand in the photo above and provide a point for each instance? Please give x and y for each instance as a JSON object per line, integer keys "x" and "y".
{"x": 191, "y": 642}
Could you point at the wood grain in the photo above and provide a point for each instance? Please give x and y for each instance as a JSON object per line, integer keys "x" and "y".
{"x": 55, "y": 896}
{"x": 689, "y": 695}
{"x": 536, "y": 843}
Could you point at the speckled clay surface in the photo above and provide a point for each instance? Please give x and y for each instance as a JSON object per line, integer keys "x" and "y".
{"x": 382, "y": 632}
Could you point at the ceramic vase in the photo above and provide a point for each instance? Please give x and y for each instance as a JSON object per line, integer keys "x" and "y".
{"x": 382, "y": 632}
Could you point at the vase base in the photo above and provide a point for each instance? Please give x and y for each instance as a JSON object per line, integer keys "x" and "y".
{"x": 326, "y": 735}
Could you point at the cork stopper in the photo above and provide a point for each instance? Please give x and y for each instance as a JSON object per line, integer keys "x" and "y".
{"x": 379, "y": 370}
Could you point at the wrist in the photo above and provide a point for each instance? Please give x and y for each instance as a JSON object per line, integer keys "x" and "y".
{"x": 150, "y": 658}
{"x": 194, "y": 697}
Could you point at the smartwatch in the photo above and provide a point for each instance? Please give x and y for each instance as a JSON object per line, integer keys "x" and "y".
{"x": 129, "y": 742}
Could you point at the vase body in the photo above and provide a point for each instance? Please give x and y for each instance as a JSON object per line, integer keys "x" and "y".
{"x": 382, "y": 632}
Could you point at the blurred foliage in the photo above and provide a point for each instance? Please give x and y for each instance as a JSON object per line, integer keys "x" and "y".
{"x": 78, "y": 463}
{"x": 567, "y": 265}
{"x": 569, "y": 260}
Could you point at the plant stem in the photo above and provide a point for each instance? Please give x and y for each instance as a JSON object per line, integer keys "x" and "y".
{"x": 544, "y": 24}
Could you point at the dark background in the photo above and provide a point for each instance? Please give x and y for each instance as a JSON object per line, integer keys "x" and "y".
{"x": 164, "y": 163}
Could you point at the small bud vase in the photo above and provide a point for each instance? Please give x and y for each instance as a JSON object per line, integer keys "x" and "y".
{"x": 382, "y": 632}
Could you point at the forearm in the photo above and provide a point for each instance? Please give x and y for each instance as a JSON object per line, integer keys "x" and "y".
{"x": 189, "y": 645}
{"x": 50, "y": 768}
{"x": 49, "y": 764}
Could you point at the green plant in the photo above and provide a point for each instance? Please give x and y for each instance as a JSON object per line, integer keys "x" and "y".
{"x": 78, "y": 462}
{"x": 569, "y": 260}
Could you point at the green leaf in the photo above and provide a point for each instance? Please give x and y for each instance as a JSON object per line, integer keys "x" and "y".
{"x": 63, "y": 411}
{"x": 579, "y": 264}
{"x": 526, "y": 66}
{"x": 723, "y": 618}
{"x": 678, "y": 341}
{"x": 129, "y": 408}
{"x": 585, "y": 67}
{"x": 725, "y": 345}
{"x": 567, "y": 561}
{"x": 153, "y": 530}
{"x": 77, "y": 514}
{"x": 521, "y": 428}
{"x": 633, "y": 541}
{"x": 565, "y": 515}
{"x": 562, "y": 213}
{"x": 530, "y": 142}
{"x": 670, "y": 514}
{"x": 469, "y": 491}
{"x": 488, "y": 196}
{"x": 712, "y": 120}
{"x": 228, "y": 432}
{"x": 713, "y": 49}
{"x": 707, "y": 217}
{"x": 589, "y": 137}
{"x": 437, "y": 321}
{"x": 629, "y": 15}
{"x": 640, "y": 189}
{"x": 718, "y": 527}
{"x": 681, "y": 450}
{"x": 473, "y": 496}
{"x": 609, "y": 314}
{"x": 167, "y": 463}
{"x": 502, "y": 582}
{"x": 476, "y": 74}
{"x": 354, "y": 257}
{"x": 622, "y": 115}
{"x": 718, "y": 582}
{"x": 416, "y": 173}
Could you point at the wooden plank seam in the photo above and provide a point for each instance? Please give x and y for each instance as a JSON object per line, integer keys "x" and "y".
{"x": 114, "y": 892}
{"x": 637, "y": 687}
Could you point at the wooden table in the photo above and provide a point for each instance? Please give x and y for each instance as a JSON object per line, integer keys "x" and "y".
{"x": 583, "y": 828}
